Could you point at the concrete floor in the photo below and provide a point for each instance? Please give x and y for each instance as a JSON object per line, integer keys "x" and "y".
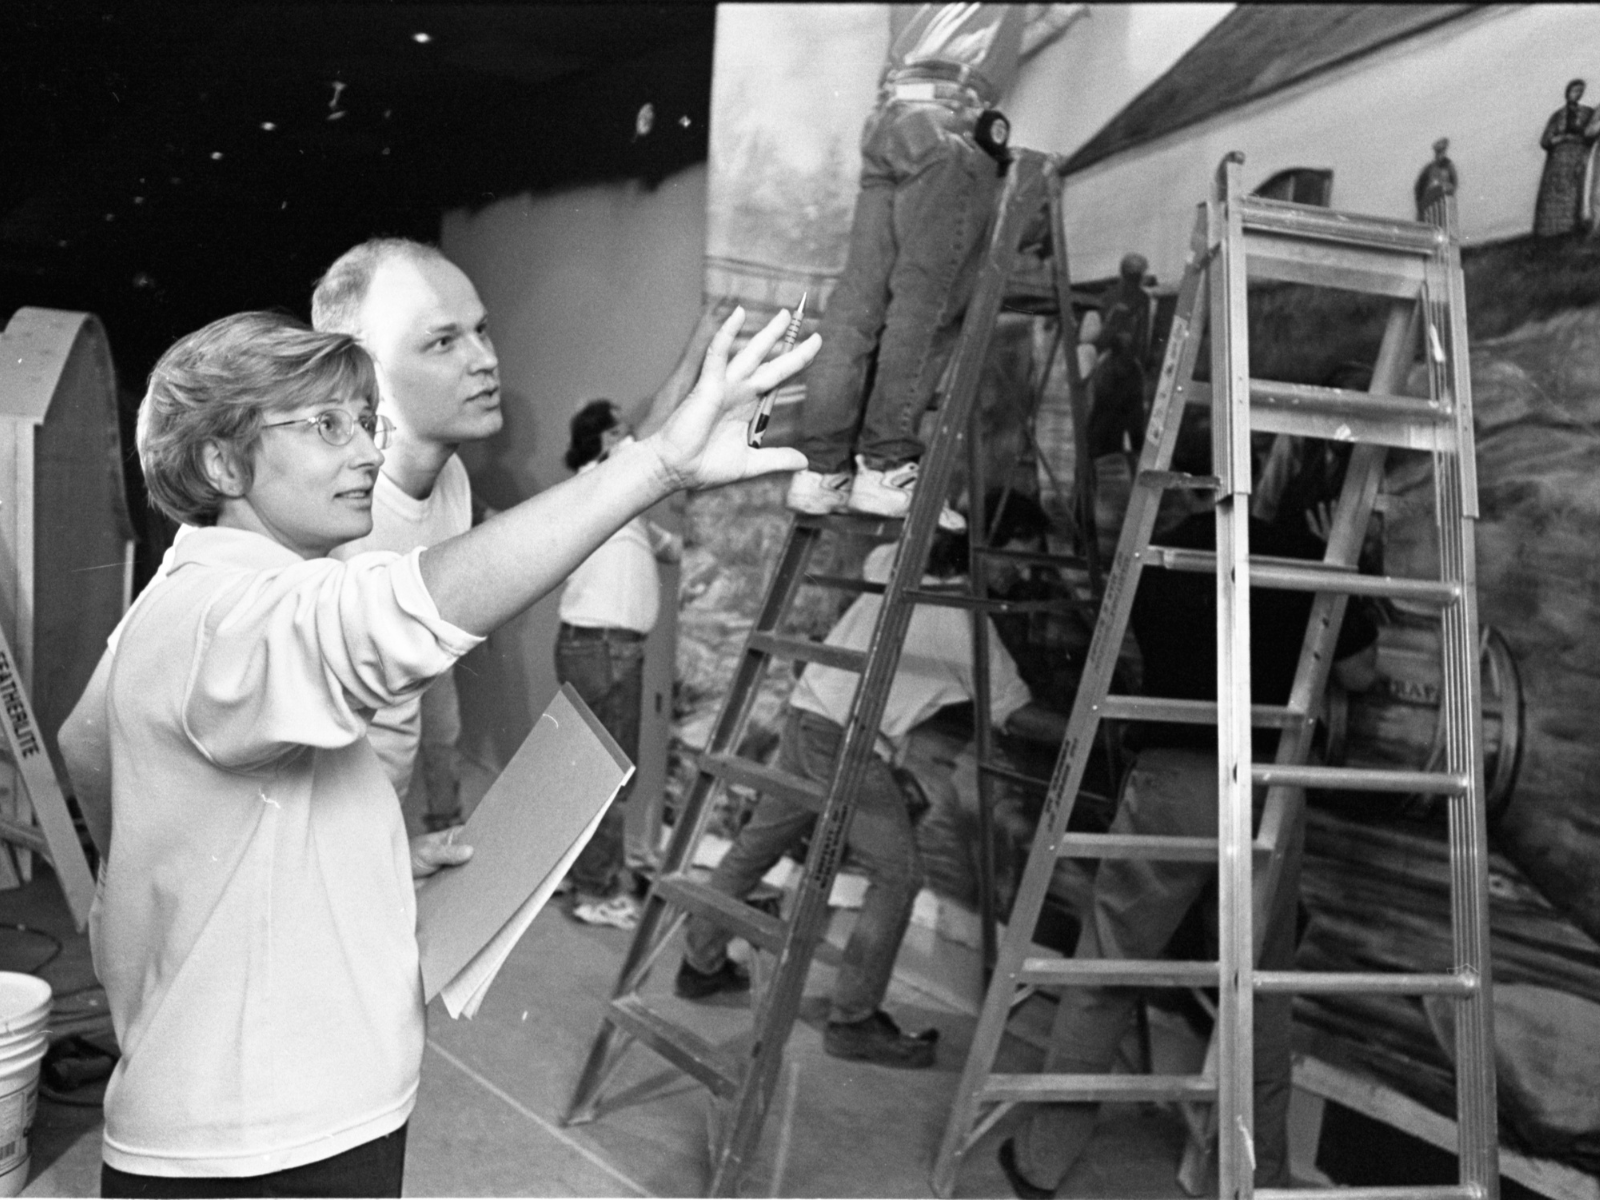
{"x": 488, "y": 1120}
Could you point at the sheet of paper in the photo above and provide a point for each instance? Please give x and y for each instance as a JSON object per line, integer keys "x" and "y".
{"x": 524, "y": 834}
{"x": 463, "y": 994}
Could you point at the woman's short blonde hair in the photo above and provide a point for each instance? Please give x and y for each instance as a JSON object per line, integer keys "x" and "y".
{"x": 217, "y": 385}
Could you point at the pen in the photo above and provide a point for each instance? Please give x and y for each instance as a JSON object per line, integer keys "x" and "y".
{"x": 791, "y": 335}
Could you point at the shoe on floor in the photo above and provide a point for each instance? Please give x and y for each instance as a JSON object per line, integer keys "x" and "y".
{"x": 887, "y": 493}
{"x": 620, "y": 912}
{"x": 1014, "y": 1176}
{"x": 697, "y": 985}
{"x": 879, "y": 1040}
{"x": 818, "y": 492}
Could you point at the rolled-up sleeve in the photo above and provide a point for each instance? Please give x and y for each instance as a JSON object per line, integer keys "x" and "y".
{"x": 303, "y": 655}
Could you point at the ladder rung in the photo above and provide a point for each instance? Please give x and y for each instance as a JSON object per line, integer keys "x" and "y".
{"x": 1117, "y": 972}
{"x": 1343, "y": 402}
{"x": 734, "y": 915}
{"x": 1334, "y": 414}
{"x": 1368, "y": 269}
{"x": 1416, "y": 1192}
{"x": 842, "y": 583}
{"x": 1356, "y": 779}
{"x": 862, "y": 524}
{"x": 763, "y": 778}
{"x": 1037, "y": 1088}
{"x": 1138, "y": 845}
{"x": 783, "y": 646}
{"x": 1261, "y": 215}
{"x": 996, "y": 604}
{"x": 998, "y": 772}
{"x": 1368, "y": 983}
{"x": 684, "y": 1049}
{"x": 1177, "y": 481}
{"x": 1191, "y": 712}
{"x": 1303, "y": 576}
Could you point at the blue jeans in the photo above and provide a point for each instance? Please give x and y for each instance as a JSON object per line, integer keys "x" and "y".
{"x": 927, "y": 191}
{"x": 881, "y": 840}
{"x": 1137, "y": 905}
{"x": 606, "y": 668}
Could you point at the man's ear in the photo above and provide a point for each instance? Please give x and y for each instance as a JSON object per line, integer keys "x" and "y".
{"x": 222, "y": 470}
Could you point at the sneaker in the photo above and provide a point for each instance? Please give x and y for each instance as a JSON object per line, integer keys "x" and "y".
{"x": 887, "y": 493}
{"x": 620, "y": 912}
{"x": 692, "y": 984}
{"x": 818, "y": 492}
{"x": 879, "y": 1040}
{"x": 1014, "y": 1176}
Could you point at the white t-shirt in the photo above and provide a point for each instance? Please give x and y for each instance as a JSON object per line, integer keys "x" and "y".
{"x": 616, "y": 587}
{"x": 403, "y": 523}
{"x": 255, "y": 922}
{"x": 935, "y": 665}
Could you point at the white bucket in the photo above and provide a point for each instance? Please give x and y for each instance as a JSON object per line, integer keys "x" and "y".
{"x": 24, "y": 1009}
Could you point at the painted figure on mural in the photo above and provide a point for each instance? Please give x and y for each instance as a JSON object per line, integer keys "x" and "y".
{"x": 1568, "y": 137}
{"x": 928, "y": 185}
{"x": 1439, "y": 176}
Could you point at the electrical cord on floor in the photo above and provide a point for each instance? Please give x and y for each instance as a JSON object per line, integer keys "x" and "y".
{"x": 56, "y": 945}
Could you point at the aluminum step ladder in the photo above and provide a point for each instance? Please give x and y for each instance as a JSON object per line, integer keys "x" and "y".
{"x": 1416, "y": 267}
{"x": 742, "y": 1081}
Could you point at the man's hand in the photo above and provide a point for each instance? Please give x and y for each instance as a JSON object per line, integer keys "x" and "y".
{"x": 703, "y": 443}
{"x": 430, "y": 851}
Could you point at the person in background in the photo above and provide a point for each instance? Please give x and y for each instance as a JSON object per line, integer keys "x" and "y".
{"x": 929, "y": 177}
{"x": 608, "y": 608}
{"x": 255, "y": 910}
{"x": 935, "y": 672}
{"x": 420, "y": 318}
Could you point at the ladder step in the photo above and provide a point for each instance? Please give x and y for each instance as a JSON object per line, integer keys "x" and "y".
{"x": 1301, "y": 576}
{"x": 805, "y": 650}
{"x": 1417, "y": 1192}
{"x": 733, "y": 769}
{"x": 884, "y": 529}
{"x": 1191, "y": 712}
{"x": 684, "y": 1049}
{"x": 1357, "y": 779}
{"x": 1138, "y": 845}
{"x": 737, "y": 917}
{"x": 1178, "y": 481}
{"x": 995, "y": 771}
{"x": 1369, "y": 983}
{"x": 1117, "y": 972}
{"x": 1261, "y": 215}
{"x": 1335, "y": 414}
{"x": 995, "y": 604}
{"x": 1037, "y": 1088}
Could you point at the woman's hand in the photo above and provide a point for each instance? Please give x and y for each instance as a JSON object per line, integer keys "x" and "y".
{"x": 430, "y": 851}
{"x": 703, "y": 443}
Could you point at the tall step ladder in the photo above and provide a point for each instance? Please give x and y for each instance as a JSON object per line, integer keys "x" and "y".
{"x": 1415, "y": 266}
{"x": 742, "y": 1080}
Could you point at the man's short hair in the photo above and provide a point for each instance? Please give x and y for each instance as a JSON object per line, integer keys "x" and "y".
{"x": 217, "y": 385}
{"x": 336, "y": 302}
{"x": 588, "y": 424}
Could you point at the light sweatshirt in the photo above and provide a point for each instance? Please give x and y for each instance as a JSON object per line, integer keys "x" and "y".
{"x": 254, "y": 925}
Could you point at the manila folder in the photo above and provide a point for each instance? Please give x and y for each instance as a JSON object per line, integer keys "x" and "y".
{"x": 524, "y": 834}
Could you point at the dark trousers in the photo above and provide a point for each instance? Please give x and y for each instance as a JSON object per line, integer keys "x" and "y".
{"x": 606, "y": 668}
{"x": 374, "y": 1168}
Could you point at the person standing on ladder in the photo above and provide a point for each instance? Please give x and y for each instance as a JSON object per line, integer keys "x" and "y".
{"x": 928, "y": 183}
{"x": 935, "y": 672}
{"x": 1171, "y": 790}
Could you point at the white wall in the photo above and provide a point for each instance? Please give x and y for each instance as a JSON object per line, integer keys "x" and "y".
{"x": 1488, "y": 82}
{"x": 1069, "y": 91}
{"x": 591, "y": 292}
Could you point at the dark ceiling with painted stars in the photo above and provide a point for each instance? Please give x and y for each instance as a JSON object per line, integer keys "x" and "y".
{"x": 163, "y": 164}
